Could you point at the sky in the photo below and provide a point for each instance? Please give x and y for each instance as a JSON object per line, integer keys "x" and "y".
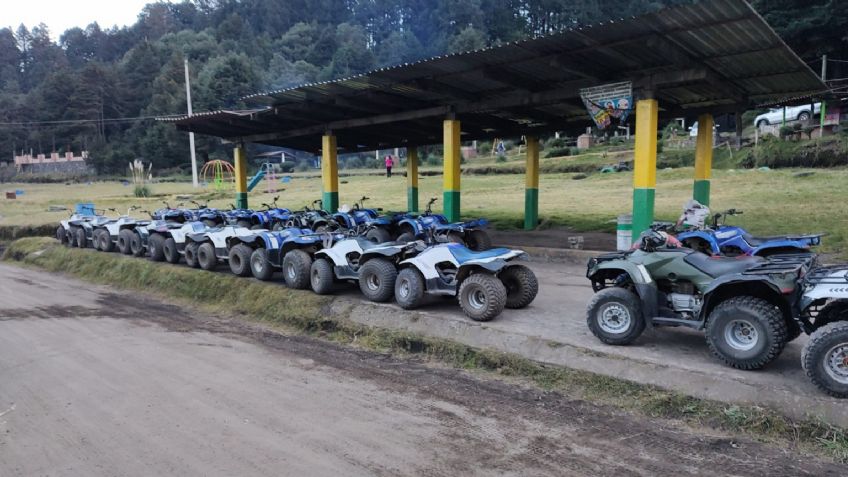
{"x": 60, "y": 15}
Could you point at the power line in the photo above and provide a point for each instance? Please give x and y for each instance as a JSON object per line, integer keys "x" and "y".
{"x": 86, "y": 121}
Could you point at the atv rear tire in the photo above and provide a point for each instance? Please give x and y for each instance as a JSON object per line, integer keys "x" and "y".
{"x": 81, "y": 240}
{"x": 521, "y": 286}
{"x": 191, "y": 255}
{"x": 209, "y": 223}
{"x": 124, "y": 238}
{"x": 296, "y": 269}
{"x": 825, "y": 358}
{"x": 745, "y": 332}
{"x": 260, "y": 266}
{"x": 478, "y": 240}
{"x": 409, "y": 288}
{"x": 377, "y": 279}
{"x": 136, "y": 245}
{"x": 155, "y": 246}
{"x": 206, "y": 256}
{"x": 243, "y": 223}
{"x": 482, "y": 297}
{"x": 321, "y": 276}
{"x": 378, "y": 235}
{"x": 169, "y": 248}
{"x": 406, "y": 237}
{"x": 61, "y": 236}
{"x": 614, "y": 316}
{"x": 455, "y": 237}
{"x": 239, "y": 260}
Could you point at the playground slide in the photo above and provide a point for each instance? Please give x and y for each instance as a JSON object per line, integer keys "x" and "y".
{"x": 255, "y": 180}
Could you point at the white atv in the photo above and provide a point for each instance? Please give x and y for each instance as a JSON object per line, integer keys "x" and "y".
{"x": 822, "y": 312}
{"x": 105, "y": 235}
{"x": 206, "y": 248}
{"x": 164, "y": 240}
{"x": 485, "y": 282}
{"x": 358, "y": 259}
{"x": 76, "y": 230}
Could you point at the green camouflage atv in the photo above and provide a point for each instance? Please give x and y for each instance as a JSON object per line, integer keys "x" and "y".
{"x": 745, "y": 304}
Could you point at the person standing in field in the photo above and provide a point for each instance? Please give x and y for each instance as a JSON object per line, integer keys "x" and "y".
{"x": 390, "y": 161}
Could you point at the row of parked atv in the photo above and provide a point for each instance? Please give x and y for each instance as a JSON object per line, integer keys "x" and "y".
{"x": 426, "y": 258}
{"x": 750, "y": 304}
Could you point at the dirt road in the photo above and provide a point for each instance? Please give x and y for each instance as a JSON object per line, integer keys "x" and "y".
{"x": 97, "y": 382}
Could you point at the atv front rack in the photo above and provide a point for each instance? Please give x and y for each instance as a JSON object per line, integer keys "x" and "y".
{"x": 828, "y": 275}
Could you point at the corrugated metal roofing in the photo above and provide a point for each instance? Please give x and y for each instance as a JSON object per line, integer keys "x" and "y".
{"x": 712, "y": 56}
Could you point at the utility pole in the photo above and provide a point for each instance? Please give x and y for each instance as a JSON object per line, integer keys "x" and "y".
{"x": 191, "y": 134}
{"x": 823, "y": 104}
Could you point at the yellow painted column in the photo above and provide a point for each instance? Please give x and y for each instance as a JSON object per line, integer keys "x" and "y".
{"x": 531, "y": 185}
{"x": 412, "y": 179}
{"x": 330, "y": 172}
{"x": 645, "y": 165}
{"x": 703, "y": 159}
{"x": 452, "y": 159}
{"x": 240, "y": 166}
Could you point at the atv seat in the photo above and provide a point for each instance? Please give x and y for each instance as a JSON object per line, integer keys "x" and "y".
{"x": 718, "y": 266}
{"x": 463, "y": 254}
{"x": 757, "y": 241}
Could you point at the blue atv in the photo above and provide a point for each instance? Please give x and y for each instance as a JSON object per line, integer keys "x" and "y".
{"x": 728, "y": 240}
{"x": 469, "y": 233}
{"x": 272, "y": 218}
{"x": 315, "y": 219}
{"x": 290, "y": 250}
{"x": 211, "y": 217}
{"x": 173, "y": 214}
{"x": 240, "y": 217}
{"x": 369, "y": 222}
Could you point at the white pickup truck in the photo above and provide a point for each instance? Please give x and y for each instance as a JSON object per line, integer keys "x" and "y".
{"x": 793, "y": 113}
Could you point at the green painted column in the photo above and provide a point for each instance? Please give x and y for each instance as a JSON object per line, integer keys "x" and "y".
{"x": 452, "y": 156}
{"x": 531, "y": 185}
{"x": 412, "y": 179}
{"x": 645, "y": 165}
{"x": 240, "y": 166}
{"x": 703, "y": 159}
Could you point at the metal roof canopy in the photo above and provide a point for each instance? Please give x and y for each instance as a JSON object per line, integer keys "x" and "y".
{"x": 714, "y": 56}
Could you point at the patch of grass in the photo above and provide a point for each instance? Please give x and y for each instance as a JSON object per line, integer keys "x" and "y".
{"x": 305, "y": 312}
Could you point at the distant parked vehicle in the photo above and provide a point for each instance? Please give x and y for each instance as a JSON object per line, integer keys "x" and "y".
{"x": 793, "y": 113}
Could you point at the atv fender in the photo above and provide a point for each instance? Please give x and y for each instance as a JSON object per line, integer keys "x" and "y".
{"x": 413, "y": 224}
{"x": 646, "y": 287}
{"x": 699, "y": 234}
{"x": 761, "y": 286}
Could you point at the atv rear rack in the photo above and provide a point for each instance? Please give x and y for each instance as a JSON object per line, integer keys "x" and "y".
{"x": 783, "y": 263}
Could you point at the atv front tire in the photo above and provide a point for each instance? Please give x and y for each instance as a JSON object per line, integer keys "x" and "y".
{"x": 81, "y": 240}
{"x": 409, "y": 288}
{"x": 521, "y": 286}
{"x": 136, "y": 245}
{"x": 106, "y": 244}
{"x": 745, "y": 332}
{"x": 377, "y": 279}
{"x": 239, "y": 260}
{"x": 614, "y": 316}
{"x": 296, "y": 268}
{"x": 482, "y": 297}
{"x": 155, "y": 245}
{"x": 825, "y": 358}
{"x": 124, "y": 238}
{"x": 191, "y": 255}
{"x": 321, "y": 276}
{"x": 478, "y": 240}
{"x": 260, "y": 266}
{"x": 169, "y": 248}
{"x": 206, "y": 256}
